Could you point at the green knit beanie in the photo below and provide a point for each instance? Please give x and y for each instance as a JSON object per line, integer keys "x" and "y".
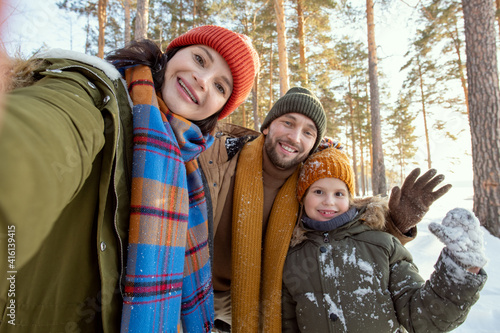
{"x": 299, "y": 100}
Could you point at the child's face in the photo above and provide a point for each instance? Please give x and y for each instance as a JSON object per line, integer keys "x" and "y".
{"x": 326, "y": 198}
{"x": 198, "y": 82}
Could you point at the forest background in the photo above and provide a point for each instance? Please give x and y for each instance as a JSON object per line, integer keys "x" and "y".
{"x": 420, "y": 53}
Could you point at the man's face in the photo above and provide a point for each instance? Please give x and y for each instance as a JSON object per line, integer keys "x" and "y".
{"x": 289, "y": 140}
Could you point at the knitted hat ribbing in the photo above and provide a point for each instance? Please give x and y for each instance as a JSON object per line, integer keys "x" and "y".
{"x": 299, "y": 100}
{"x": 327, "y": 163}
{"x": 236, "y": 49}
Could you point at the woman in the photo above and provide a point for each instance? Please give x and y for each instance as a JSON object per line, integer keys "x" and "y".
{"x": 83, "y": 155}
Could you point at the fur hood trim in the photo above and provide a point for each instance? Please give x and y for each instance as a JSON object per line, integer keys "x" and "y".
{"x": 374, "y": 211}
{"x": 20, "y": 71}
{"x": 94, "y": 61}
{"x": 377, "y": 208}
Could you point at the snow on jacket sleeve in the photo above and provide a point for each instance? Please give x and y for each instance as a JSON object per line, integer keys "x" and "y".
{"x": 438, "y": 305}
{"x": 49, "y": 138}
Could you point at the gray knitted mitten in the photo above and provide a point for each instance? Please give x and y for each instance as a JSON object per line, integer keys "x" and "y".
{"x": 460, "y": 231}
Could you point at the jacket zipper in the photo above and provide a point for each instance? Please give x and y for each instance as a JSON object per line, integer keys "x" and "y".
{"x": 114, "y": 178}
{"x": 122, "y": 263}
{"x": 114, "y": 217}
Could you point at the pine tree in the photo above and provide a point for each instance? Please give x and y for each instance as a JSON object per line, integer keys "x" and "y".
{"x": 309, "y": 27}
{"x": 87, "y": 9}
{"x": 484, "y": 106}
{"x": 279, "y": 8}
{"x": 126, "y": 10}
{"x": 443, "y": 32}
{"x": 141, "y": 20}
{"x": 403, "y": 139}
{"x": 102, "y": 18}
{"x": 351, "y": 63}
{"x": 378, "y": 166}
{"x": 420, "y": 83}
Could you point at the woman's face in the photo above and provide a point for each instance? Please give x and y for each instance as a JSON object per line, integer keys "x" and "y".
{"x": 198, "y": 82}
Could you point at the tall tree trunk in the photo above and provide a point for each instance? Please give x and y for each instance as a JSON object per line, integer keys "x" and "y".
{"x": 454, "y": 36}
{"x": 378, "y": 167}
{"x": 497, "y": 2}
{"x": 401, "y": 171}
{"x": 302, "y": 43}
{"x": 255, "y": 94}
{"x": 368, "y": 176}
{"x": 141, "y": 20}
{"x": 424, "y": 114}
{"x": 87, "y": 34}
{"x": 484, "y": 106}
{"x": 255, "y": 103}
{"x": 367, "y": 165}
{"x": 461, "y": 68}
{"x": 271, "y": 68}
{"x": 362, "y": 162}
{"x": 194, "y": 10}
{"x": 279, "y": 8}
{"x": 353, "y": 139}
{"x": 126, "y": 7}
{"x": 243, "y": 114}
{"x": 101, "y": 16}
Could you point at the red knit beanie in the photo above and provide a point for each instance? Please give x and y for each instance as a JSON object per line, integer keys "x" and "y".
{"x": 238, "y": 52}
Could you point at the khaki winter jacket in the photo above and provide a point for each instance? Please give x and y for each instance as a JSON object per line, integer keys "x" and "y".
{"x": 219, "y": 164}
{"x": 65, "y": 150}
{"x": 358, "y": 278}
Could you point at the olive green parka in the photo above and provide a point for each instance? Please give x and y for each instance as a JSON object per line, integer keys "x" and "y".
{"x": 65, "y": 151}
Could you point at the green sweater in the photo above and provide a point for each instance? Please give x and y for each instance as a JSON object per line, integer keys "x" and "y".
{"x": 65, "y": 147}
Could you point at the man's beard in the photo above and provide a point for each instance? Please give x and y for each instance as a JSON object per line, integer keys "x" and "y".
{"x": 277, "y": 160}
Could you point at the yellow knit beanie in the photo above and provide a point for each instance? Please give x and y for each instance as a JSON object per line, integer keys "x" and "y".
{"x": 327, "y": 163}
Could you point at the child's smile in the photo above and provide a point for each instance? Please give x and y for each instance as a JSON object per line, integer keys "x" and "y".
{"x": 326, "y": 198}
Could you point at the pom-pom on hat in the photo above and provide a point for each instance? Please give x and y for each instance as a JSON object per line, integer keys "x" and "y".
{"x": 299, "y": 100}
{"x": 236, "y": 49}
{"x": 327, "y": 163}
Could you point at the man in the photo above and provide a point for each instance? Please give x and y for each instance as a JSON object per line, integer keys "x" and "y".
{"x": 251, "y": 179}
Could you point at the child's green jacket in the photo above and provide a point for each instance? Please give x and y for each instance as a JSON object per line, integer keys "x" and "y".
{"x": 359, "y": 278}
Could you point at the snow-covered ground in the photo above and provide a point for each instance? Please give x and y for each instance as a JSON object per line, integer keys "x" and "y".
{"x": 485, "y": 314}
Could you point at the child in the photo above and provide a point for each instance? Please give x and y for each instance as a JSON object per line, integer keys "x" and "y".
{"x": 105, "y": 154}
{"x": 343, "y": 273}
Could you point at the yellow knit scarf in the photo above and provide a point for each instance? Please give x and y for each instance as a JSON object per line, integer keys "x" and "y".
{"x": 251, "y": 291}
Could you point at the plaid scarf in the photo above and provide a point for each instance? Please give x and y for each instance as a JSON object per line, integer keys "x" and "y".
{"x": 168, "y": 276}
